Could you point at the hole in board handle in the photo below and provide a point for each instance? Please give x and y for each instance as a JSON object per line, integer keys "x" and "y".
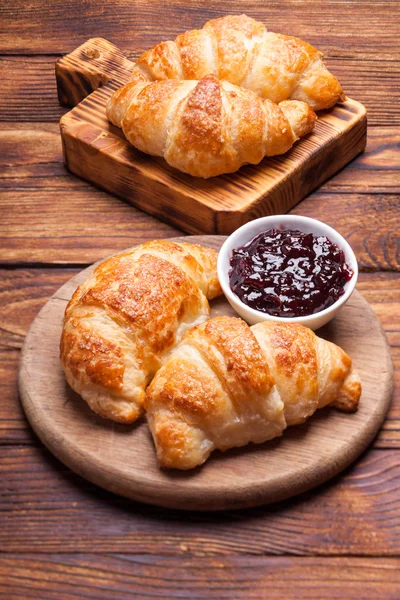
{"x": 92, "y": 53}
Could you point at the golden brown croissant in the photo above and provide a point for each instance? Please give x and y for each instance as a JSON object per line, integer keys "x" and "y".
{"x": 131, "y": 311}
{"x": 207, "y": 127}
{"x": 239, "y": 49}
{"x": 227, "y": 384}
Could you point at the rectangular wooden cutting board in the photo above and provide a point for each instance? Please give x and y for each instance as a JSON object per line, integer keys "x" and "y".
{"x": 97, "y": 151}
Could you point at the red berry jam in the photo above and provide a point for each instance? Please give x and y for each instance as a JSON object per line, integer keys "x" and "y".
{"x": 288, "y": 273}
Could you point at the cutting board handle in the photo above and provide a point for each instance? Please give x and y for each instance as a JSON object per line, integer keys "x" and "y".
{"x": 87, "y": 68}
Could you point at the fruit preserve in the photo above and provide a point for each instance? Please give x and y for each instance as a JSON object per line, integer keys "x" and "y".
{"x": 288, "y": 273}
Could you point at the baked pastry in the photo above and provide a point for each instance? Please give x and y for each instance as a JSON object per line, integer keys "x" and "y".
{"x": 123, "y": 320}
{"x": 207, "y": 127}
{"x": 240, "y": 50}
{"x": 228, "y": 384}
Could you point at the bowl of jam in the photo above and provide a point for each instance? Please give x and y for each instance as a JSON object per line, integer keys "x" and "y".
{"x": 287, "y": 268}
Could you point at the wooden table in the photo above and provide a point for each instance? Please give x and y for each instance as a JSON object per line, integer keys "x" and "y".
{"x": 63, "y": 538}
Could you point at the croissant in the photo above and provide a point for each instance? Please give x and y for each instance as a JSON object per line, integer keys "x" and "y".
{"x": 120, "y": 323}
{"x": 228, "y": 384}
{"x": 239, "y": 49}
{"x": 207, "y": 127}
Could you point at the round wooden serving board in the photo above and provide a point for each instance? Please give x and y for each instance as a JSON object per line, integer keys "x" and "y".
{"x": 122, "y": 459}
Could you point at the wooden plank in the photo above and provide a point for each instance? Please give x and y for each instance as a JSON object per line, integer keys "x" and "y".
{"x": 122, "y": 577}
{"x": 358, "y": 217}
{"x": 376, "y": 170}
{"x": 72, "y": 225}
{"x": 375, "y": 83}
{"x": 14, "y": 428}
{"x": 22, "y": 295}
{"x": 46, "y": 508}
{"x": 357, "y": 28}
{"x": 382, "y": 290}
{"x": 35, "y": 181}
{"x": 25, "y": 291}
{"x": 33, "y": 96}
{"x": 32, "y": 155}
{"x": 99, "y": 224}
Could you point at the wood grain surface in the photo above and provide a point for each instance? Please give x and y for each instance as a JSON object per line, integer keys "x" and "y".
{"x": 258, "y": 578}
{"x": 356, "y": 513}
{"x": 361, "y": 202}
{"x": 60, "y": 537}
{"x": 25, "y": 291}
{"x": 374, "y": 82}
{"x": 345, "y": 29}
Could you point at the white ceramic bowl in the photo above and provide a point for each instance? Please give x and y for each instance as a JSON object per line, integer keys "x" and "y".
{"x": 248, "y": 231}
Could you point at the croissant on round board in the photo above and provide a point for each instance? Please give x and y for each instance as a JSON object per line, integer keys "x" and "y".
{"x": 207, "y": 127}
{"x": 227, "y": 384}
{"x": 127, "y": 315}
{"x": 240, "y": 50}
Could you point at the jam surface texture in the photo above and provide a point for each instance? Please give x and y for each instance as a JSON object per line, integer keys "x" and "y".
{"x": 288, "y": 273}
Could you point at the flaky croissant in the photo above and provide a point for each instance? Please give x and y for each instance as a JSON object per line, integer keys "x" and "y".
{"x": 207, "y": 127}
{"x": 133, "y": 309}
{"x": 228, "y": 384}
{"x": 240, "y": 50}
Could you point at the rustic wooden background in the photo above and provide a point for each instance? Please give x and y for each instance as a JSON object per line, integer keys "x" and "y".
{"x": 63, "y": 538}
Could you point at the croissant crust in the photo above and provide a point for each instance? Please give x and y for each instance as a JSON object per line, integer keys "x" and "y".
{"x": 239, "y": 49}
{"x": 228, "y": 384}
{"x": 121, "y": 323}
{"x": 207, "y": 127}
